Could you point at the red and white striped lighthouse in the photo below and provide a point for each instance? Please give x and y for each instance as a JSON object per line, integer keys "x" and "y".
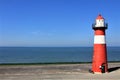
{"x": 99, "y": 63}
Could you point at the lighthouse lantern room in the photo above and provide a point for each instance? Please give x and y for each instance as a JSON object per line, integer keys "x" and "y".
{"x": 100, "y": 23}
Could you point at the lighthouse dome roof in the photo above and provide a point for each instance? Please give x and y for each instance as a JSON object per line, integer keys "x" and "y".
{"x": 99, "y": 17}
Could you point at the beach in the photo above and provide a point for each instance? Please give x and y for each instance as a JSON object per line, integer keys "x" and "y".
{"x": 57, "y": 72}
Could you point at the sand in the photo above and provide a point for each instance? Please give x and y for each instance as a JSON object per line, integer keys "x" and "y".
{"x": 57, "y": 72}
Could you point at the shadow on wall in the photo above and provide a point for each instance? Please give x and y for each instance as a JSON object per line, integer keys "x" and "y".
{"x": 113, "y": 69}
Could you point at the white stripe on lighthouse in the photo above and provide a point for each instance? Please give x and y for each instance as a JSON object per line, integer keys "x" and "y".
{"x": 99, "y": 39}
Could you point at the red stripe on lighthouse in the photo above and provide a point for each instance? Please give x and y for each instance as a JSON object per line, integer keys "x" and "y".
{"x": 100, "y": 32}
{"x": 99, "y": 58}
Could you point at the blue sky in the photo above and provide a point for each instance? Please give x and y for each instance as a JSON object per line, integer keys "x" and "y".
{"x": 56, "y": 22}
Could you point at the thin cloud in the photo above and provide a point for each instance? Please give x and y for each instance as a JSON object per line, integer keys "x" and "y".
{"x": 40, "y": 33}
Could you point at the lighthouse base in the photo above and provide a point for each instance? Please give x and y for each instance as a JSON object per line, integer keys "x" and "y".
{"x": 99, "y": 72}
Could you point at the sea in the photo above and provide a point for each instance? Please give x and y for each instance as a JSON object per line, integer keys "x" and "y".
{"x": 52, "y": 54}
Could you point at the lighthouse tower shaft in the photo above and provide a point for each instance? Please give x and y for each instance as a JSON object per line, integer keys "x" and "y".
{"x": 99, "y": 63}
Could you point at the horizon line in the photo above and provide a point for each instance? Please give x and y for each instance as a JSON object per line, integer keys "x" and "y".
{"x": 55, "y": 46}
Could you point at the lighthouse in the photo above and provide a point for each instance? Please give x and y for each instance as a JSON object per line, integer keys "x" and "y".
{"x": 99, "y": 62}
